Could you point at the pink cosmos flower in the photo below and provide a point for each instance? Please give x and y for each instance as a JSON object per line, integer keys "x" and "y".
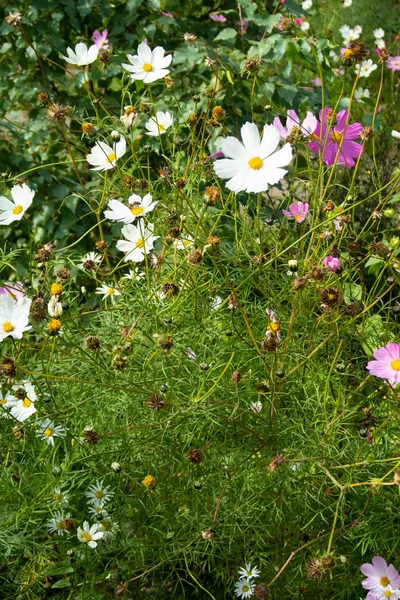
{"x": 379, "y": 574}
{"x": 15, "y": 290}
{"x": 386, "y": 366}
{"x": 293, "y": 126}
{"x": 100, "y": 39}
{"x": 332, "y": 264}
{"x": 242, "y": 26}
{"x": 167, "y": 14}
{"x": 393, "y": 63}
{"x": 218, "y": 18}
{"x": 317, "y": 82}
{"x": 218, "y": 154}
{"x": 337, "y": 140}
{"x": 297, "y": 210}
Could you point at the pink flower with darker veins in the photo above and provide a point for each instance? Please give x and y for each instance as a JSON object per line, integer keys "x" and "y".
{"x": 218, "y": 18}
{"x": 332, "y": 264}
{"x": 381, "y": 578}
{"x": 336, "y": 139}
{"x": 386, "y": 366}
{"x": 297, "y": 211}
{"x": 101, "y": 39}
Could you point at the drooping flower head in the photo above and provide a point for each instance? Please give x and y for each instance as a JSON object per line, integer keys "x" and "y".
{"x": 82, "y": 55}
{"x": 293, "y": 126}
{"x": 386, "y": 366}
{"x": 102, "y": 157}
{"x": 297, "y": 211}
{"x": 381, "y": 578}
{"x": 253, "y": 165}
{"x": 148, "y": 65}
{"x": 101, "y": 39}
{"x": 336, "y": 139}
{"x": 14, "y": 210}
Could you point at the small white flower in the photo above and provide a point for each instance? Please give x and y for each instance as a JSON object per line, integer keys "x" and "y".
{"x": 358, "y": 29}
{"x": 159, "y": 124}
{"x": 190, "y": 354}
{"x": 148, "y": 65}
{"x": 347, "y": 3}
{"x": 216, "y": 302}
{"x": 14, "y": 317}
{"x": 380, "y": 44}
{"x": 292, "y": 264}
{"x": 61, "y": 498}
{"x": 256, "y": 407}
{"x": 89, "y": 535}
{"x": 108, "y": 292}
{"x": 378, "y": 33}
{"x": 307, "y": 4}
{"x": 82, "y": 55}
{"x": 253, "y": 165}
{"x": 6, "y": 404}
{"x": 57, "y": 524}
{"x": 184, "y": 243}
{"x": 133, "y": 275}
{"x": 139, "y": 240}
{"x": 54, "y": 307}
{"x": 14, "y": 210}
{"x": 367, "y": 66}
{"x": 48, "y": 431}
{"x": 244, "y": 588}
{"x": 116, "y": 467}
{"x": 99, "y": 493}
{"x": 97, "y": 508}
{"x": 247, "y": 571}
{"x": 129, "y": 117}
{"x": 344, "y": 30}
{"x": 361, "y": 93}
{"x": 102, "y": 157}
{"x": 22, "y": 409}
{"x": 89, "y": 261}
{"x": 305, "y": 26}
{"x": 396, "y": 134}
{"x": 127, "y": 214}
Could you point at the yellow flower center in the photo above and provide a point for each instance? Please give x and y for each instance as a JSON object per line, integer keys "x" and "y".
{"x": 60, "y": 525}
{"x": 18, "y": 210}
{"x": 388, "y": 594}
{"x": 54, "y": 325}
{"x": 129, "y": 110}
{"x": 98, "y": 509}
{"x": 297, "y": 217}
{"x": 86, "y": 537}
{"x": 245, "y": 588}
{"x": 186, "y": 243}
{"x": 395, "y": 63}
{"x": 110, "y": 291}
{"x": 348, "y": 53}
{"x": 140, "y": 243}
{"x": 2, "y": 401}
{"x": 161, "y": 127}
{"x": 111, "y": 157}
{"x": 8, "y": 327}
{"x": 337, "y": 137}
{"x": 26, "y": 403}
{"x": 255, "y": 163}
{"x": 396, "y": 367}
{"x": 384, "y": 581}
{"x": 272, "y": 326}
{"x": 48, "y": 432}
{"x": 137, "y": 210}
{"x": 147, "y": 67}
{"x": 58, "y": 497}
{"x": 99, "y": 495}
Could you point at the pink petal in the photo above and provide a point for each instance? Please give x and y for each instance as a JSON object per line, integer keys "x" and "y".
{"x": 368, "y": 570}
{"x": 380, "y": 565}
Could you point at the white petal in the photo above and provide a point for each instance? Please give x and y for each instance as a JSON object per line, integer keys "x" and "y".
{"x": 120, "y": 147}
{"x": 92, "y": 54}
{"x": 154, "y": 75}
{"x": 233, "y": 148}
{"x": 6, "y": 204}
{"x": 239, "y": 182}
{"x": 281, "y": 158}
{"x": 227, "y": 168}
{"x": 144, "y": 53}
{"x": 271, "y": 139}
{"x": 251, "y": 138}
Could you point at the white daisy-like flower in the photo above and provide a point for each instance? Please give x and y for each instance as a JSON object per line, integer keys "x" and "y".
{"x": 99, "y": 493}
{"x": 14, "y": 210}
{"x": 148, "y": 65}
{"x": 247, "y": 571}
{"x": 134, "y": 275}
{"x": 57, "y": 524}
{"x": 378, "y": 33}
{"x": 380, "y": 44}
{"x": 305, "y": 26}
{"x": 14, "y": 317}
{"x": 159, "y": 124}
{"x": 367, "y": 67}
{"x": 344, "y": 31}
{"x": 102, "y": 157}
{"x": 139, "y": 241}
{"x": 253, "y": 165}
{"x": 88, "y": 535}
{"x": 129, "y": 117}
{"x": 137, "y": 207}
{"x": 22, "y": 409}
{"x": 306, "y": 5}
{"x": 358, "y": 29}
{"x": 361, "y": 93}
{"x": 60, "y": 497}
{"x": 82, "y": 55}
{"x": 6, "y": 404}
{"x": 184, "y": 243}
{"x": 97, "y": 508}
{"x": 256, "y": 407}
{"x": 48, "y": 431}
{"x": 244, "y": 588}
{"x": 108, "y": 291}
{"x": 89, "y": 261}
{"x": 347, "y": 3}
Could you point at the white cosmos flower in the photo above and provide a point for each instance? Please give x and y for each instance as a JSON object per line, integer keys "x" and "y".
{"x": 344, "y": 31}
{"x": 305, "y": 26}
{"x": 102, "y": 157}
{"x": 307, "y": 4}
{"x": 378, "y": 33}
{"x": 358, "y": 29}
{"x": 127, "y": 214}
{"x": 97, "y": 508}
{"x": 139, "y": 241}
{"x": 57, "y": 524}
{"x": 22, "y": 409}
{"x": 244, "y": 588}
{"x": 159, "y": 124}
{"x": 99, "y": 493}
{"x": 82, "y": 55}
{"x": 253, "y": 165}
{"x": 47, "y": 431}
{"x": 380, "y": 44}
{"x": 89, "y": 261}
{"x": 367, "y": 66}
{"x": 89, "y": 535}
{"x": 361, "y": 93}
{"x": 148, "y": 65}
{"x": 108, "y": 291}
{"x": 14, "y": 317}
{"x": 14, "y": 210}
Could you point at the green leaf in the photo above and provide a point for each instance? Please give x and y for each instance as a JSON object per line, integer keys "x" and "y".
{"x": 62, "y": 583}
{"x": 60, "y": 568}
{"x": 369, "y": 332}
{"x": 226, "y": 34}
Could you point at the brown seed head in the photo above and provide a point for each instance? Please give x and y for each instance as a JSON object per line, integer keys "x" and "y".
{"x": 155, "y": 402}
{"x": 299, "y": 283}
{"x": 261, "y": 591}
{"x": 213, "y": 241}
{"x": 63, "y": 274}
{"x": 329, "y": 206}
{"x": 165, "y": 342}
{"x": 90, "y": 437}
{"x": 212, "y": 195}
{"x": 170, "y": 289}
{"x": 7, "y": 367}
{"x": 119, "y": 362}
{"x": 43, "y": 98}
{"x": 169, "y": 82}
{"x": 252, "y": 65}
{"x": 69, "y": 524}
{"x": 315, "y": 570}
{"x": 38, "y": 310}
{"x": 190, "y": 38}
{"x": 269, "y": 344}
{"x": 14, "y": 19}
{"x": 195, "y": 456}
{"x": 330, "y": 296}
{"x": 105, "y": 57}
{"x": 180, "y": 183}
{"x": 356, "y": 52}
{"x": 194, "y": 257}
{"x": 275, "y": 462}
{"x": 93, "y": 342}
{"x": 262, "y": 387}
{"x": 328, "y": 561}
{"x": 236, "y": 376}
{"x": 120, "y": 590}
{"x": 384, "y": 55}
{"x": 102, "y": 246}
{"x": 58, "y": 112}
{"x": 367, "y": 133}
{"x": 316, "y": 274}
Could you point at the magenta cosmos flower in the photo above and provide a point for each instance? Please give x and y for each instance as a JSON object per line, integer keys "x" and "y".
{"x": 15, "y": 290}
{"x": 337, "y": 140}
{"x": 297, "y": 211}
{"x": 393, "y": 63}
{"x": 218, "y": 18}
{"x": 332, "y": 264}
{"x": 293, "y": 125}
{"x": 386, "y": 366}
{"x": 380, "y": 575}
{"x": 101, "y": 39}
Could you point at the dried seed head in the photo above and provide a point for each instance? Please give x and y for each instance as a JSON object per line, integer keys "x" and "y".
{"x": 194, "y": 257}
{"x": 120, "y": 590}
{"x": 315, "y": 570}
{"x": 299, "y": 283}
{"x": 180, "y": 183}
{"x": 38, "y": 309}
{"x": 155, "y": 260}
{"x": 236, "y": 376}
{"x": 212, "y": 195}
{"x": 356, "y": 52}
{"x": 170, "y": 289}
{"x": 43, "y": 98}
{"x": 330, "y": 296}
{"x": 69, "y": 524}
{"x": 367, "y": 133}
{"x": 218, "y": 113}
{"x": 165, "y": 342}
{"x": 275, "y": 462}
{"x": 195, "y": 456}
{"x": 269, "y": 344}
{"x": 190, "y": 38}
{"x": 261, "y": 591}
{"x": 93, "y": 342}
{"x": 316, "y": 274}
{"x": 286, "y": 24}
{"x": 63, "y": 274}
{"x": 7, "y": 367}
{"x": 328, "y": 561}
{"x": 54, "y": 326}
{"x": 14, "y": 19}
{"x": 233, "y": 302}
{"x": 396, "y": 477}
{"x": 384, "y": 55}
{"x": 105, "y": 57}
{"x": 350, "y": 309}
{"x": 169, "y": 82}
{"x": 119, "y": 362}
{"x": 252, "y": 65}
{"x": 58, "y": 112}
{"x": 90, "y": 436}
{"x": 213, "y": 241}
{"x": 329, "y": 206}
{"x": 155, "y": 402}
{"x": 262, "y": 387}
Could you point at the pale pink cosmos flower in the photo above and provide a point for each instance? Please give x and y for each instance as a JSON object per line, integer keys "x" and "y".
{"x": 332, "y": 264}
{"x": 218, "y": 18}
{"x": 297, "y": 211}
{"x": 379, "y": 574}
{"x": 393, "y": 63}
{"x": 273, "y": 330}
{"x": 293, "y": 125}
{"x": 386, "y": 366}
{"x": 168, "y": 14}
{"x": 101, "y": 39}
{"x": 15, "y": 290}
